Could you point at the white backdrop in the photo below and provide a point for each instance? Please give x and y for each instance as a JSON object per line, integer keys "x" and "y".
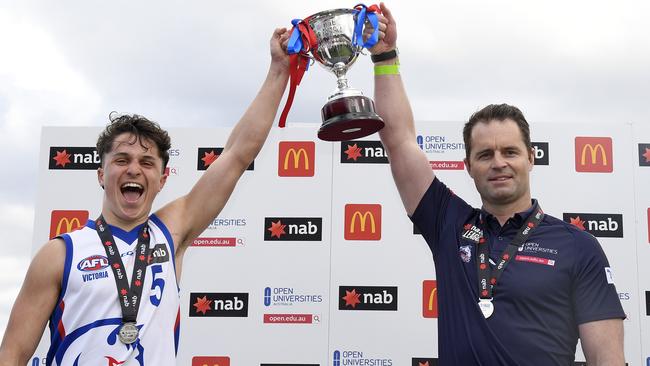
{"x": 300, "y": 286}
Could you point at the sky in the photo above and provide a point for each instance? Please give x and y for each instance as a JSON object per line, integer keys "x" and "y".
{"x": 200, "y": 63}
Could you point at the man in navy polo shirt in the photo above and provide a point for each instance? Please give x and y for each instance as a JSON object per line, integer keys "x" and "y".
{"x": 516, "y": 286}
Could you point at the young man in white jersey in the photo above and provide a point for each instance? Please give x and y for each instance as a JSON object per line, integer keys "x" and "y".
{"x": 128, "y": 313}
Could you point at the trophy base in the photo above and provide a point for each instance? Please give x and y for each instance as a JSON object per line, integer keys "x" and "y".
{"x": 349, "y": 118}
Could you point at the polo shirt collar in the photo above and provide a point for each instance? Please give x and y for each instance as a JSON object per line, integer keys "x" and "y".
{"x": 515, "y": 221}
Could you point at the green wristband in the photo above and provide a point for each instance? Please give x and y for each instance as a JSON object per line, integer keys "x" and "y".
{"x": 387, "y": 69}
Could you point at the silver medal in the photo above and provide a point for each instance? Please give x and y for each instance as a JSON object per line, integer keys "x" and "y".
{"x": 128, "y": 333}
{"x": 486, "y": 306}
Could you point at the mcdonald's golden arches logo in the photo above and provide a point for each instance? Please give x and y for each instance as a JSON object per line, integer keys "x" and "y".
{"x": 430, "y": 299}
{"x": 210, "y": 361}
{"x": 296, "y": 159}
{"x": 362, "y": 222}
{"x": 594, "y": 154}
{"x": 65, "y": 221}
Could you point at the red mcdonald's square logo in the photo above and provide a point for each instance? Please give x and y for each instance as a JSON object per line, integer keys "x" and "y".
{"x": 64, "y": 221}
{"x": 430, "y": 299}
{"x": 594, "y": 154}
{"x": 362, "y": 222}
{"x": 296, "y": 159}
{"x": 210, "y": 361}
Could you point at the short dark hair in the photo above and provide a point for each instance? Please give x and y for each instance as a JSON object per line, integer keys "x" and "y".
{"x": 140, "y": 127}
{"x": 499, "y": 112}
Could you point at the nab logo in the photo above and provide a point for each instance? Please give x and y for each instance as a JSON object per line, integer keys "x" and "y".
{"x": 594, "y": 154}
{"x": 210, "y": 361}
{"x": 93, "y": 263}
{"x": 223, "y": 304}
{"x": 363, "y": 152}
{"x": 293, "y": 228}
{"x": 207, "y": 156}
{"x": 540, "y": 153}
{"x": 644, "y": 154}
{"x": 296, "y": 159}
{"x": 368, "y": 298}
{"x": 159, "y": 254}
{"x": 63, "y": 221}
{"x": 424, "y": 361}
{"x": 362, "y": 222}
{"x": 429, "y": 299}
{"x": 600, "y": 225}
{"x": 73, "y": 158}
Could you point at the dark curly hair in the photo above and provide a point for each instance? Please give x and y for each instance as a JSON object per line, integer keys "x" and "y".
{"x": 499, "y": 112}
{"x": 140, "y": 127}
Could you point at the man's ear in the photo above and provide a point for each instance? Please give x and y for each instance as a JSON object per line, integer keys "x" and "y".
{"x": 100, "y": 176}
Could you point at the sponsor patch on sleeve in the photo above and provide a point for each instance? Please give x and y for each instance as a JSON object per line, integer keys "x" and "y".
{"x": 609, "y": 275}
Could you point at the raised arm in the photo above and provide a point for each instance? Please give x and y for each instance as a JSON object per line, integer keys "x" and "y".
{"x": 34, "y": 304}
{"x": 410, "y": 166}
{"x": 189, "y": 215}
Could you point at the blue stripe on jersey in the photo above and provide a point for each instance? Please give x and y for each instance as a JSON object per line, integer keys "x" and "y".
{"x": 156, "y": 220}
{"x": 81, "y": 331}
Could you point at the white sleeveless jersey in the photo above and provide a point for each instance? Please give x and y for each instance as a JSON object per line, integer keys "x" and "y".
{"x": 85, "y": 322}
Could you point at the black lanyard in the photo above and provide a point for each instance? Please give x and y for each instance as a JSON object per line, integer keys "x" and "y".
{"x": 129, "y": 296}
{"x": 487, "y": 276}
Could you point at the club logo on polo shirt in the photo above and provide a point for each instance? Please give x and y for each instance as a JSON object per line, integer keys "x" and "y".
{"x": 210, "y": 361}
{"x": 429, "y": 299}
{"x": 424, "y": 361}
{"x": 293, "y": 228}
{"x": 540, "y": 153}
{"x": 594, "y": 154}
{"x": 599, "y": 225}
{"x": 65, "y": 221}
{"x": 208, "y": 155}
{"x": 296, "y": 158}
{"x": 74, "y": 158}
{"x": 362, "y": 222}
{"x": 222, "y": 304}
{"x": 368, "y": 298}
{"x": 644, "y": 154}
{"x": 363, "y": 152}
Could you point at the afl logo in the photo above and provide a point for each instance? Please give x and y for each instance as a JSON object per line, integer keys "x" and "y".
{"x": 93, "y": 263}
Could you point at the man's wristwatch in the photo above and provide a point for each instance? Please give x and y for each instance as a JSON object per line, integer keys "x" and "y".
{"x": 389, "y": 55}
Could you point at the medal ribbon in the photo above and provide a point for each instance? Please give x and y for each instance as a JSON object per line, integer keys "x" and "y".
{"x": 129, "y": 296}
{"x": 363, "y": 13}
{"x": 488, "y": 277}
{"x": 302, "y": 40}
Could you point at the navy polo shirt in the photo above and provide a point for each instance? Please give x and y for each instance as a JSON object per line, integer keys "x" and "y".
{"x": 557, "y": 280}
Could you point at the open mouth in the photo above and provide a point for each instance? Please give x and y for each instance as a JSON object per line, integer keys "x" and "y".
{"x": 132, "y": 191}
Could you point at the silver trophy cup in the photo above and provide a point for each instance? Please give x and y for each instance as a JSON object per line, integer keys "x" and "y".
{"x": 348, "y": 114}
